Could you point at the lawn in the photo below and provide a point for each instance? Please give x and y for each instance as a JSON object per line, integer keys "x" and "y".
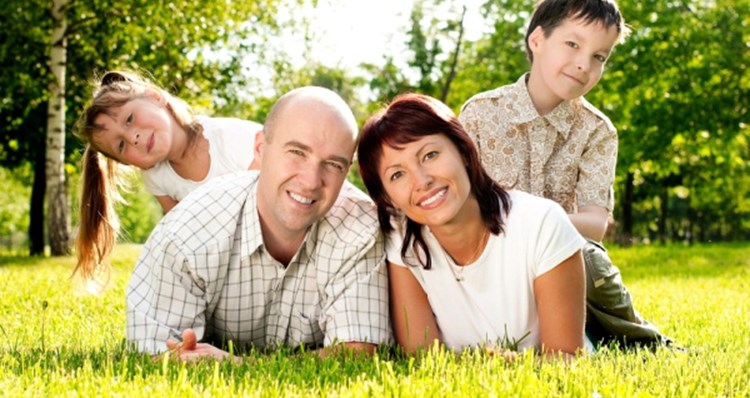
{"x": 58, "y": 340}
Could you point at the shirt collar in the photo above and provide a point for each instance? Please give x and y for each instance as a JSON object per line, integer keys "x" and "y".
{"x": 561, "y": 118}
{"x": 254, "y": 238}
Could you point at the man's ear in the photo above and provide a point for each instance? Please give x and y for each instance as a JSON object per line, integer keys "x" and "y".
{"x": 536, "y": 38}
{"x": 260, "y": 143}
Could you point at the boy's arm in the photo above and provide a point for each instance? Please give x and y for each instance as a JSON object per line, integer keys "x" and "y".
{"x": 596, "y": 176}
{"x": 591, "y": 221}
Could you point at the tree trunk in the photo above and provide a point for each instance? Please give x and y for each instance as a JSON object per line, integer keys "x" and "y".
{"x": 445, "y": 89}
{"x": 57, "y": 198}
{"x": 36, "y": 210}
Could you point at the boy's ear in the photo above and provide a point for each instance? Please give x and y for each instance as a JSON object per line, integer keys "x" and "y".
{"x": 535, "y": 38}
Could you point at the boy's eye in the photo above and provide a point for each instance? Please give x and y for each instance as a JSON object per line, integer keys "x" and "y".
{"x": 600, "y": 58}
{"x": 571, "y": 44}
{"x": 129, "y": 119}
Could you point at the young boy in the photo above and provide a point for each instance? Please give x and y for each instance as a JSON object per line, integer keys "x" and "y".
{"x": 541, "y": 136}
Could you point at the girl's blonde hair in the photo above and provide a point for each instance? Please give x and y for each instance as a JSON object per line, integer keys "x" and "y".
{"x": 99, "y": 225}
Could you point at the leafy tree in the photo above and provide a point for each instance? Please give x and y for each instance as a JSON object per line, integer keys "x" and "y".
{"x": 678, "y": 93}
{"x": 195, "y": 46}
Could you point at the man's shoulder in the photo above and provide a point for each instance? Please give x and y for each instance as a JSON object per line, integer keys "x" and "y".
{"x": 589, "y": 110}
{"x": 353, "y": 213}
{"x": 213, "y": 207}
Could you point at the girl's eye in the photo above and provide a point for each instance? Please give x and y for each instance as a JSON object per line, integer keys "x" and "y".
{"x": 129, "y": 119}
{"x": 121, "y": 146}
{"x": 600, "y": 58}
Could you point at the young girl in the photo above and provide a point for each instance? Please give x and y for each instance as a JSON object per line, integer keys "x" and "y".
{"x": 469, "y": 263}
{"x": 132, "y": 121}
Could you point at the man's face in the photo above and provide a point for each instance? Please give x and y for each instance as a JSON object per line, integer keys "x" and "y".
{"x": 303, "y": 166}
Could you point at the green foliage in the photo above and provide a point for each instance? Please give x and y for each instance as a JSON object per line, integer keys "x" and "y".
{"x": 14, "y": 208}
{"x": 678, "y": 92}
{"x": 140, "y": 212}
{"x": 695, "y": 294}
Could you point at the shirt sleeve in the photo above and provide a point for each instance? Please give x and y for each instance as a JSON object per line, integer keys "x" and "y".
{"x": 356, "y": 305}
{"x": 237, "y": 139}
{"x": 597, "y": 169}
{"x": 557, "y": 238}
{"x": 472, "y": 123}
{"x": 164, "y": 296}
{"x": 150, "y": 179}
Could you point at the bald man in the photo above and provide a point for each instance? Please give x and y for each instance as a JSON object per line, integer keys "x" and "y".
{"x": 282, "y": 256}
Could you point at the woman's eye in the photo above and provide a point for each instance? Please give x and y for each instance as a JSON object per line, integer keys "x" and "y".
{"x": 430, "y": 155}
{"x": 396, "y": 175}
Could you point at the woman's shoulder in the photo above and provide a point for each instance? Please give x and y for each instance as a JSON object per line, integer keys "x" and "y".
{"x": 531, "y": 207}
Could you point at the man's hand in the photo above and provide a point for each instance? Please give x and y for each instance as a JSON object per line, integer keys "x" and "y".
{"x": 190, "y": 350}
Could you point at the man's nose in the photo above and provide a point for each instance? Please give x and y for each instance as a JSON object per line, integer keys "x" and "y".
{"x": 311, "y": 176}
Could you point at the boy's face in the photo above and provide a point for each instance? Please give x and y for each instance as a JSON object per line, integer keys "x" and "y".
{"x": 570, "y": 60}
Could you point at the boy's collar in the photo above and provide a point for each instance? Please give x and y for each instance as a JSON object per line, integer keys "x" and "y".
{"x": 561, "y": 118}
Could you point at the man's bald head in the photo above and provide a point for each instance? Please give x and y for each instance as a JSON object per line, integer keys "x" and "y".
{"x": 306, "y": 98}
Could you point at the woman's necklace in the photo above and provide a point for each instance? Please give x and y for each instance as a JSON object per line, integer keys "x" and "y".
{"x": 458, "y": 270}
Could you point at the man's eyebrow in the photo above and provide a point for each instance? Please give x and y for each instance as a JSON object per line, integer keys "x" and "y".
{"x": 307, "y": 148}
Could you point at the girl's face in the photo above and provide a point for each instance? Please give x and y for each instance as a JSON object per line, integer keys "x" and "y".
{"x": 427, "y": 180}
{"x": 139, "y": 133}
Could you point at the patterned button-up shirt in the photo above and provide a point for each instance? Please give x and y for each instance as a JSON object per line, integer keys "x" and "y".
{"x": 205, "y": 267}
{"x": 568, "y": 155}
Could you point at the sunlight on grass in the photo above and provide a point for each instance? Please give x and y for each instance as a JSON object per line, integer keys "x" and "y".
{"x": 57, "y": 341}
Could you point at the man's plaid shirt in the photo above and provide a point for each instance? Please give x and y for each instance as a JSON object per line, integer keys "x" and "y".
{"x": 205, "y": 267}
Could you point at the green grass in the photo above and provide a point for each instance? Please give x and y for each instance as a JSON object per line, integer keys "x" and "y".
{"x": 57, "y": 341}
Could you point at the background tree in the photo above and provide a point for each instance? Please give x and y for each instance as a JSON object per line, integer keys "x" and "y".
{"x": 190, "y": 45}
{"x": 678, "y": 92}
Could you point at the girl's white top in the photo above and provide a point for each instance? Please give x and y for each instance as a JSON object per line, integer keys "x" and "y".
{"x": 495, "y": 301}
{"x": 230, "y": 142}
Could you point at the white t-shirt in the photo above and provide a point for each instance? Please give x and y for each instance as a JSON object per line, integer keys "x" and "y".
{"x": 230, "y": 143}
{"x": 495, "y": 301}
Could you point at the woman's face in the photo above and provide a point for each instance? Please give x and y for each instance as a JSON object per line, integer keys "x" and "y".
{"x": 426, "y": 180}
